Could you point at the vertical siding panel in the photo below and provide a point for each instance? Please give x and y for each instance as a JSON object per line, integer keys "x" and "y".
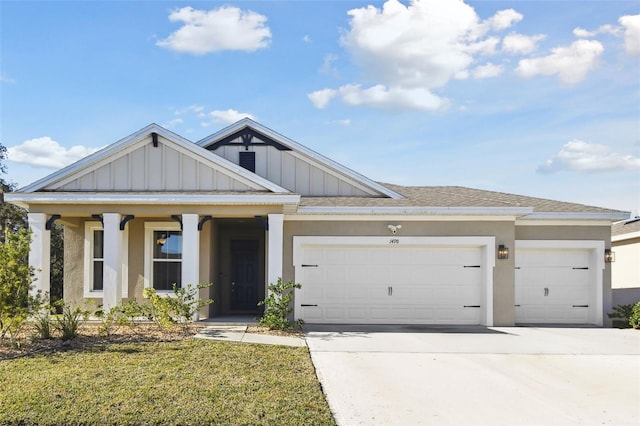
{"x": 189, "y": 174}
{"x": 345, "y": 188}
{"x": 205, "y": 181}
{"x": 172, "y": 170}
{"x": 86, "y": 183}
{"x": 261, "y": 160}
{"x": 137, "y": 167}
{"x": 103, "y": 178}
{"x": 121, "y": 174}
{"x": 303, "y": 177}
{"x": 154, "y": 167}
{"x": 317, "y": 182}
{"x": 331, "y": 185}
{"x": 223, "y": 182}
{"x": 274, "y": 165}
{"x": 288, "y": 171}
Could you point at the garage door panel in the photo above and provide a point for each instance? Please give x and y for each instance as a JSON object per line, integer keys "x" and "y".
{"x": 550, "y": 283}
{"x": 391, "y": 285}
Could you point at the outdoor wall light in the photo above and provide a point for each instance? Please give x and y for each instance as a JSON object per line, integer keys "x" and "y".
{"x": 609, "y": 256}
{"x": 394, "y": 228}
{"x": 503, "y": 252}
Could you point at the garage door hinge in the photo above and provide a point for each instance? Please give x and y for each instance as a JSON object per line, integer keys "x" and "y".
{"x": 309, "y": 266}
{"x": 471, "y": 266}
{"x": 471, "y": 306}
{"x": 584, "y": 267}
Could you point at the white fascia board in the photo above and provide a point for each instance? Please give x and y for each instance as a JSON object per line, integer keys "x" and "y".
{"x": 25, "y": 199}
{"x": 194, "y": 151}
{"x": 612, "y": 217}
{"x": 300, "y": 149}
{"x": 412, "y": 210}
{"x": 616, "y": 238}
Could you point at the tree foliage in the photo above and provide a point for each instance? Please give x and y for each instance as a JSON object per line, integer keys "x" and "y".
{"x": 12, "y": 218}
{"x": 16, "y": 277}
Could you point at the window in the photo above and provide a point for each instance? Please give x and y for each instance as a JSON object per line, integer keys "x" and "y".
{"x": 94, "y": 260}
{"x": 163, "y": 255}
{"x": 248, "y": 160}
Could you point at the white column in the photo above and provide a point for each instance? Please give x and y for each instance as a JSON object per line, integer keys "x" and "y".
{"x": 190, "y": 252}
{"x": 112, "y": 273}
{"x": 275, "y": 237}
{"x": 40, "y": 252}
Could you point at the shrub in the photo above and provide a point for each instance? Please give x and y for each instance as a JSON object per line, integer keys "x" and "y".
{"x": 178, "y": 308}
{"x": 69, "y": 320}
{"x": 16, "y": 278}
{"x": 278, "y": 306}
{"x": 124, "y": 314}
{"x": 634, "y": 318}
{"x": 43, "y": 323}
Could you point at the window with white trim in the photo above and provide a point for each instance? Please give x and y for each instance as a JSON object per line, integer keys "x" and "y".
{"x": 94, "y": 260}
{"x": 163, "y": 255}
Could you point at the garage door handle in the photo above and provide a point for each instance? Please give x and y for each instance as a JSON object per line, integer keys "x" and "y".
{"x": 309, "y": 266}
{"x": 585, "y": 267}
{"x": 517, "y": 306}
{"x": 471, "y": 306}
{"x": 471, "y": 266}
{"x": 580, "y": 306}
{"x": 304, "y": 304}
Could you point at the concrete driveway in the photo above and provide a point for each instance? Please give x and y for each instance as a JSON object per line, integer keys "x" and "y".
{"x": 430, "y": 375}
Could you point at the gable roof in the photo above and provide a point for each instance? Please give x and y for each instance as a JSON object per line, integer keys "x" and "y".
{"x": 449, "y": 199}
{"x": 312, "y": 156}
{"x": 57, "y": 180}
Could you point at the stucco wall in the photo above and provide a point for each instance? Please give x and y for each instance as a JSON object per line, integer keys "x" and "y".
{"x": 625, "y": 272}
{"x": 504, "y": 274}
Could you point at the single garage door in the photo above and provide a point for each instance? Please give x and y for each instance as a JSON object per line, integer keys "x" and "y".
{"x": 555, "y": 286}
{"x": 387, "y": 284}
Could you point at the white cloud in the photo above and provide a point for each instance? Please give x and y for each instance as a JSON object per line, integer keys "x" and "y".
{"x": 224, "y": 28}
{"x": 172, "y": 123}
{"x": 570, "y": 63}
{"x": 229, "y": 116}
{"x": 487, "y": 70}
{"x": 321, "y": 98}
{"x": 392, "y": 97}
{"x": 504, "y": 19}
{"x": 45, "y": 152}
{"x": 631, "y": 24}
{"x": 520, "y": 44}
{"x": 343, "y": 122}
{"x": 579, "y": 156}
{"x": 5, "y": 79}
{"x": 327, "y": 64}
{"x": 603, "y": 29}
{"x": 407, "y": 51}
{"x": 307, "y": 38}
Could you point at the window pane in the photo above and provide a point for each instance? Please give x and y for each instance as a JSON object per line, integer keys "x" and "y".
{"x": 166, "y": 274}
{"x": 98, "y": 244}
{"x": 167, "y": 244}
{"x": 97, "y": 275}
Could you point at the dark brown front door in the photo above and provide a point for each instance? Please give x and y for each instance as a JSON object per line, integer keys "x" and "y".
{"x": 244, "y": 275}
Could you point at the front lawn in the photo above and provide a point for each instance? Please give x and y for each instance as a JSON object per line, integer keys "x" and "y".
{"x": 184, "y": 382}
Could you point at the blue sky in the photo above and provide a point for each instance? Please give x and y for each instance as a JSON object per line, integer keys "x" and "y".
{"x": 538, "y": 98}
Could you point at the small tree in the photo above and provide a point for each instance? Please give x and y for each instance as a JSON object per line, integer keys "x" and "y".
{"x": 278, "y": 306}
{"x": 16, "y": 277}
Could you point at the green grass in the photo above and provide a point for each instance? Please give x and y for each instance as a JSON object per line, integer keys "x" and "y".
{"x": 187, "y": 382}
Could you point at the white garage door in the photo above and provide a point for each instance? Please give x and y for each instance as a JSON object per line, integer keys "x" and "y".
{"x": 380, "y": 284}
{"x": 554, "y": 286}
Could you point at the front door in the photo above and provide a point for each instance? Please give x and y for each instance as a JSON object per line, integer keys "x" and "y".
{"x": 244, "y": 275}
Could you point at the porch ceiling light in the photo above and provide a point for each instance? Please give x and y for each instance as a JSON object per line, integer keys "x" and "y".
{"x": 503, "y": 252}
{"x": 609, "y": 256}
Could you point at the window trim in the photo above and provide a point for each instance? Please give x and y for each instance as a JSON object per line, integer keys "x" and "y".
{"x": 149, "y": 229}
{"x": 89, "y": 228}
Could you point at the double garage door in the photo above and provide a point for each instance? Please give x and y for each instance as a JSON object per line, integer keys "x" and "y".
{"x": 391, "y": 280}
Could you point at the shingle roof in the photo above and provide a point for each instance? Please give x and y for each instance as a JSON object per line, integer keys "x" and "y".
{"x": 454, "y": 196}
{"x": 626, "y": 227}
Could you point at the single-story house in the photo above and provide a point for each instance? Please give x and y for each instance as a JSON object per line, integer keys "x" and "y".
{"x": 625, "y": 272}
{"x": 247, "y": 205}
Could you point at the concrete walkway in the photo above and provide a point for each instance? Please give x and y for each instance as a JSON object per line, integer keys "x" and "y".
{"x": 238, "y": 333}
{"x": 413, "y": 375}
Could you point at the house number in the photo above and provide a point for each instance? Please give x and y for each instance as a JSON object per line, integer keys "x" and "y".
{"x": 394, "y": 241}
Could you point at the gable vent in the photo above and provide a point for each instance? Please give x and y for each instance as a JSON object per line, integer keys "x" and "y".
{"x": 248, "y": 160}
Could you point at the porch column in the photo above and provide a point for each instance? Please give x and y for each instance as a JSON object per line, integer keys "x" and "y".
{"x": 112, "y": 263}
{"x": 190, "y": 252}
{"x": 275, "y": 236}
{"x": 40, "y": 253}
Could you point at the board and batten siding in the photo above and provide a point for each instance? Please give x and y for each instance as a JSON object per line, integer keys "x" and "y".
{"x": 146, "y": 168}
{"x": 295, "y": 172}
